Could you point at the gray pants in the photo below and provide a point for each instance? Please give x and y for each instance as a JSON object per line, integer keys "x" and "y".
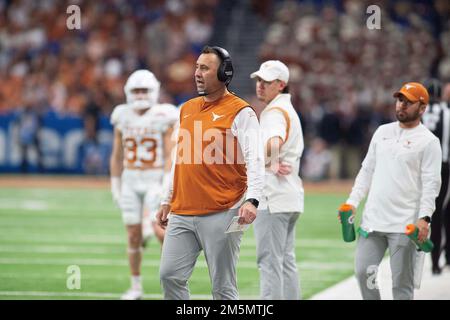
{"x": 275, "y": 248}
{"x": 185, "y": 237}
{"x": 370, "y": 252}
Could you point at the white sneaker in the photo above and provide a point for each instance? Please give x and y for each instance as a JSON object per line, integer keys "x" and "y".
{"x": 132, "y": 294}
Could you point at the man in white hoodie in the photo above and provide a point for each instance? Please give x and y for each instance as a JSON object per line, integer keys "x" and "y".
{"x": 282, "y": 202}
{"x": 401, "y": 175}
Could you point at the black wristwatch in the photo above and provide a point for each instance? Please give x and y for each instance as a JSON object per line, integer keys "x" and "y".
{"x": 253, "y": 201}
{"x": 427, "y": 219}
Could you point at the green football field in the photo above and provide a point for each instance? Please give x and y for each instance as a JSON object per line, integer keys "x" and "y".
{"x": 45, "y": 232}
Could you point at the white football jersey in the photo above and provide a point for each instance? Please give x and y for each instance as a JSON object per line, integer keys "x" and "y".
{"x": 143, "y": 135}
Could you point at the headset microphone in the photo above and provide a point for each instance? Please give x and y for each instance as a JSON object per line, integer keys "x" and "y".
{"x": 205, "y": 93}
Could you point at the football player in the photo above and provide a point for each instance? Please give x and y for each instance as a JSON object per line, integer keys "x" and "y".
{"x": 140, "y": 164}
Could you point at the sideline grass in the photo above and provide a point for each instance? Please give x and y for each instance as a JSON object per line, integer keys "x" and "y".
{"x": 44, "y": 231}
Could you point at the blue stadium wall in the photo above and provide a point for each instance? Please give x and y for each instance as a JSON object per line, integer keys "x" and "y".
{"x": 60, "y": 138}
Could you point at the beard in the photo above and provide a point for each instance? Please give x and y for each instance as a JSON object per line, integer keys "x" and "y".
{"x": 404, "y": 117}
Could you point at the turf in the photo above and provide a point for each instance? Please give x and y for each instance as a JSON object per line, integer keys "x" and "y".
{"x": 44, "y": 231}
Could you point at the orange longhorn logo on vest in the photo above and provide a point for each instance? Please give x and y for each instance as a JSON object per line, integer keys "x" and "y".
{"x": 216, "y": 117}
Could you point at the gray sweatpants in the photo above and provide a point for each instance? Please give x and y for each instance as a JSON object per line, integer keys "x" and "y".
{"x": 275, "y": 248}
{"x": 370, "y": 252}
{"x": 185, "y": 237}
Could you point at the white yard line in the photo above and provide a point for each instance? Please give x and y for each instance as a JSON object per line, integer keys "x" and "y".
{"x": 75, "y": 239}
{"x": 60, "y": 249}
{"x": 100, "y": 295}
{"x": 99, "y": 262}
{"x": 152, "y": 249}
{"x": 432, "y": 287}
{"x": 34, "y": 205}
{"x": 155, "y": 263}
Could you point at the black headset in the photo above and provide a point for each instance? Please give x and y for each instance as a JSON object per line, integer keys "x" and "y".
{"x": 225, "y": 70}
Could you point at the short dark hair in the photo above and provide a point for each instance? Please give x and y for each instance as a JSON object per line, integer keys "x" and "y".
{"x": 285, "y": 89}
{"x": 209, "y": 49}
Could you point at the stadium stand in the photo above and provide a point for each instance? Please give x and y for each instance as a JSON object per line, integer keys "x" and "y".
{"x": 342, "y": 73}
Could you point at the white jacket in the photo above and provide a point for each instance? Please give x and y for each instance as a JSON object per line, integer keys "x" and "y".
{"x": 279, "y": 118}
{"x": 402, "y": 170}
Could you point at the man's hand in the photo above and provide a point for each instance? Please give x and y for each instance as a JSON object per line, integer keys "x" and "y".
{"x": 284, "y": 169}
{"x": 162, "y": 215}
{"x": 281, "y": 168}
{"x": 247, "y": 213}
{"x": 423, "y": 227}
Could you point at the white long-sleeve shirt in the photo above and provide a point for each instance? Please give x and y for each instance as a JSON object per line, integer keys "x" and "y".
{"x": 402, "y": 170}
{"x": 245, "y": 128}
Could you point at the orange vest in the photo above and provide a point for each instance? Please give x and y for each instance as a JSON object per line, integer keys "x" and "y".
{"x": 210, "y": 174}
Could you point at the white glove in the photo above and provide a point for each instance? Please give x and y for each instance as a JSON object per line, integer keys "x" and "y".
{"x": 115, "y": 190}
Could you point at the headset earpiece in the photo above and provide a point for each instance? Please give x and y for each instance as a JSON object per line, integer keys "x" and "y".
{"x": 225, "y": 70}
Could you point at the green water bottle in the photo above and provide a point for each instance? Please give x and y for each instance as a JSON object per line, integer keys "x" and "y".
{"x": 412, "y": 232}
{"x": 348, "y": 227}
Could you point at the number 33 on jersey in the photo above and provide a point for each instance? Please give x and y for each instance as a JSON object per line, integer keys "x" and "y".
{"x": 143, "y": 135}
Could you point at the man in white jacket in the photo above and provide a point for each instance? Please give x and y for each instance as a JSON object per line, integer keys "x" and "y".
{"x": 401, "y": 175}
{"x": 282, "y": 202}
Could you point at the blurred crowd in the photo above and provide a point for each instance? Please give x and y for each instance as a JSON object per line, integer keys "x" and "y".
{"x": 343, "y": 74}
{"x": 44, "y": 63}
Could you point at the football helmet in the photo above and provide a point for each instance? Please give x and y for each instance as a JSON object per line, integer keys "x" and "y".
{"x": 142, "y": 79}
